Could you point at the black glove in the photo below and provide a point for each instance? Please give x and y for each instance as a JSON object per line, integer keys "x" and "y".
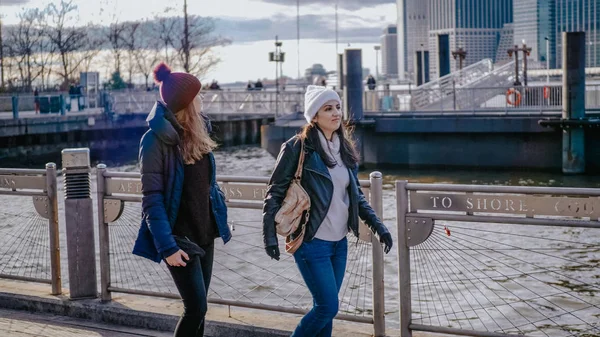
{"x": 273, "y": 252}
{"x": 386, "y": 239}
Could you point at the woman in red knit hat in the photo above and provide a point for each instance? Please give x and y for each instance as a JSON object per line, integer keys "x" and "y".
{"x": 180, "y": 221}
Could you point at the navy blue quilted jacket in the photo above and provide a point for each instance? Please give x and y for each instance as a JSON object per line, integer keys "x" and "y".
{"x": 161, "y": 166}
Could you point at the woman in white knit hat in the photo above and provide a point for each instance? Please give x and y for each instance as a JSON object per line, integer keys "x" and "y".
{"x": 330, "y": 178}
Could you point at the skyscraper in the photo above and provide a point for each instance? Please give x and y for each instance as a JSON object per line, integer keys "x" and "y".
{"x": 534, "y": 21}
{"x": 474, "y": 25}
{"x": 413, "y": 31}
{"x": 579, "y": 16}
{"x": 389, "y": 52}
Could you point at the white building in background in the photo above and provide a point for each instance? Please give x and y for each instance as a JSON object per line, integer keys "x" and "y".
{"x": 389, "y": 52}
{"x": 412, "y": 33}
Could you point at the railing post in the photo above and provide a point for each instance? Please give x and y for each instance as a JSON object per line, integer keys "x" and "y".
{"x": 52, "y": 192}
{"x": 79, "y": 220}
{"x": 62, "y": 103}
{"x": 403, "y": 260}
{"x": 378, "y": 282}
{"x": 15, "y": 107}
{"x": 103, "y": 235}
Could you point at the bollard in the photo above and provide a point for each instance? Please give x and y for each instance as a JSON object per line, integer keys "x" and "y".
{"x": 376, "y": 189}
{"x": 79, "y": 219}
{"x": 15, "y": 107}
{"x": 573, "y": 153}
{"x": 353, "y": 86}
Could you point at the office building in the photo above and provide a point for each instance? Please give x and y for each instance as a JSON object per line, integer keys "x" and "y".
{"x": 413, "y": 32}
{"x": 389, "y": 52}
{"x": 474, "y": 25}
{"x": 579, "y": 16}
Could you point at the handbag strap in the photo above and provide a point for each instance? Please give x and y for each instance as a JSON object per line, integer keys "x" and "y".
{"x": 298, "y": 174}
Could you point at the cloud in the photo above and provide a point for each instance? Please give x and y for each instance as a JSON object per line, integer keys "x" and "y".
{"x": 13, "y": 2}
{"x": 311, "y": 27}
{"x": 345, "y": 4}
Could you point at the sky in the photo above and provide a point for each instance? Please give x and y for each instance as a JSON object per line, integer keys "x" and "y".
{"x": 251, "y": 25}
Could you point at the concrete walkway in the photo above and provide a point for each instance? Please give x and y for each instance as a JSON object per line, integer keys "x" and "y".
{"x": 23, "y": 324}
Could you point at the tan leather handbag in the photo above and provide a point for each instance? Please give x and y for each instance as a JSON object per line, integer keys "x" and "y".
{"x": 294, "y": 210}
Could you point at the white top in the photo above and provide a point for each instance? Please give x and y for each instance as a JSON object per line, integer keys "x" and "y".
{"x": 335, "y": 225}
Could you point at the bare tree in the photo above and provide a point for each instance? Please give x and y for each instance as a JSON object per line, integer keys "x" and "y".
{"x": 23, "y": 39}
{"x": 149, "y": 52}
{"x": 115, "y": 37}
{"x": 66, "y": 39}
{"x": 165, "y": 29}
{"x": 194, "y": 43}
{"x": 45, "y": 51}
{"x": 1, "y": 57}
{"x": 131, "y": 40}
{"x": 89, "y": 52}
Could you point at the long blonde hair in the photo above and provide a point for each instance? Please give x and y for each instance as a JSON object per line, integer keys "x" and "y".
{"x": 196, "y": 141}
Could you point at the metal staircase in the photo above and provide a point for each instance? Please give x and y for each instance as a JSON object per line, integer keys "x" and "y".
{"x": 429, "y": 95}
{"x": 465, "y": 90}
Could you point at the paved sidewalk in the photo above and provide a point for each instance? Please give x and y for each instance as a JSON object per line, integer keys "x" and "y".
{"x": 24, "y": 324}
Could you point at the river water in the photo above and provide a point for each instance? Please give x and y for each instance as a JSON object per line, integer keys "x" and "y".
{"x": 543, "y": 281}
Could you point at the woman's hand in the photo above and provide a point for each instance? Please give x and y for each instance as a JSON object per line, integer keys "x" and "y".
{"x": 176, "y": 260}
{"x": 273, "y": 252}
{"x": 387, "y": 241}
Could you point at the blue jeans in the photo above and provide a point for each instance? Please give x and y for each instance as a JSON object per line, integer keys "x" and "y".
{"x": 192, "y": 281}
{"x": 322, "y": 265}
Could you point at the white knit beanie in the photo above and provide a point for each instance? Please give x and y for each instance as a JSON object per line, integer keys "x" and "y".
{"x": 316, "y": 96}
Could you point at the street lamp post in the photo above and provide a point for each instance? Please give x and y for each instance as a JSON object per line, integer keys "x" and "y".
{"x": 278, "y": 57}
{"x": 526, "y": 52}
{"x": 515, "y": 50}
{"x": 422, "y": 64}
{"x": 377, "y": 48}
{"x": 461, "y": 54}
{"x": 547, "y": 59}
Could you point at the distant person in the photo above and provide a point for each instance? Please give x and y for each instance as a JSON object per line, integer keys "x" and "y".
{"x": 258, "y": 85}
{"x": 215, "y": 85}
{"x": 329, "y": 177}
{"x": 371, "y": 83}
{"x": 180, "y": 221}
{"x": 36, "y": 101}
{"x": 249, "y": 87}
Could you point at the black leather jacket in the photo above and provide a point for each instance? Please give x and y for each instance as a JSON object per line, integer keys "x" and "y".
{"x": 316, "y": 181}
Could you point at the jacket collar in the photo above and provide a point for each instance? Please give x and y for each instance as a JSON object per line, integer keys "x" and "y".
{"x": 163, "y": 122}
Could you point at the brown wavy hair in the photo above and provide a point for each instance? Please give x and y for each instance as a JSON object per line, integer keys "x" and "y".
{"x": 196, "y": 141}
{"x": 348, "y": 151}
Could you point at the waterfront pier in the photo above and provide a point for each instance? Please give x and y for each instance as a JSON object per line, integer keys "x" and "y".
{"x": 469, "y": 260}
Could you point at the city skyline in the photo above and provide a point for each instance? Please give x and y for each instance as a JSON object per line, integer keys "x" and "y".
{"x": 252, "y": 26}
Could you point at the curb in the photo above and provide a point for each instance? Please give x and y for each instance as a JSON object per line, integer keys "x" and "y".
{"x": 113, "y": 313}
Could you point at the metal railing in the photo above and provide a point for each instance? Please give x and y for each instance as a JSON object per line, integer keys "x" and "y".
{"x": 431, "y": 92}
{"x": 216, "y": 102}
{"x": 52, "y": 103}
{"x": 243, "y": 275}
{"x": 473, "y": 100}
{"x": 29, "y": 236}
{"x": 498, "y": 260}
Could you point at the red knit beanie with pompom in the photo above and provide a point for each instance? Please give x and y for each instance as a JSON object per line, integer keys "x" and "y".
{"x": 177, "y": 90}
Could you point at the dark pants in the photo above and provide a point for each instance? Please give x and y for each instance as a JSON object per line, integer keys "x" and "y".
{"x": 192, "y": 281}
{"x": 322, "y": 265}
